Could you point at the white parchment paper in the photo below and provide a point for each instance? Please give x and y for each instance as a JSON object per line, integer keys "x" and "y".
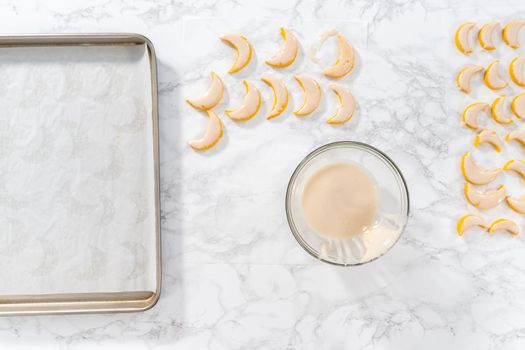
{"x": 76, "y": 170}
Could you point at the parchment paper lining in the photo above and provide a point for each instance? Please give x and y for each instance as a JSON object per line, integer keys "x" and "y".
{"x": 76, "y": 170}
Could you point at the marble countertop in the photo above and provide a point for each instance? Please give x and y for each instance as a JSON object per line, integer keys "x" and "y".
{"x": 233, "y": 275}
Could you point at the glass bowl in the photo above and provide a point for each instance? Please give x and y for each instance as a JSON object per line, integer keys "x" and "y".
{"x": 392, "y": 212}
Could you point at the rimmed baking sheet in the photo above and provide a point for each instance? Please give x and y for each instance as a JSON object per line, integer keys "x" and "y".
{"x": 79, "y": 192}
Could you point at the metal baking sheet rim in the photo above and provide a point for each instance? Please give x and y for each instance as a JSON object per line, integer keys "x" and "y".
{"x": 14, "y": 305}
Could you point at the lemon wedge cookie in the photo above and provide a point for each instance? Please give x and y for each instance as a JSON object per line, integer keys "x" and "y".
{"x": 518, "y": 105}
{"x": 500, "y": 111}
{"x": 345, "y": 109}
{"x": 288, "y": 51}
{"x": 312, "y": 94}
{"x": 469, "y": 117}
{"x": 242, "y": 47}
{"x": 493, "y": 77}
{"x": 469, "y": 221}
{"x": 280, "y": 96}
{"x": 250, "y": 104}
{"x": 465, "y": 76}
{"x": 516, "y": 203}
{"x": 516, "y": 135}
{"x": 212, "y": 97}
{"x": 486, "y": 35}
{"x": 516, "y": 165}
{"x": 484, "y": 200}
{"x": 511, "y": 32}
{"x": 462, "y": 37}
{"x": 345, "y": 60}
{"x": 211, "y": 136}
{"x": 475, "y": 174}
{"x": 516, "y": 70}
{"x": 504, "y": 225}
{"x": 488, "y": 136}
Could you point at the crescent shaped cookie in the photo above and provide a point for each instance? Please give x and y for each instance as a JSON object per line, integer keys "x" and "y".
{"x": 470, "y": 115}
{"x": 469, "y": 221}
{"x": 486, "y": 35}
{"x": 212, "y": 97}
{"x": 312, "y": 94}
{"x": 474, "y": 173}
{"x": 504, "y": 225}
{"x": 465, "y": 76}
{"x": 516, "y": 70}
{"x": 345, "y": 61}
{"x": 288, "y": 51}
{"x": 517, "y": 166}
{"x": 499, "y": 110}
{"x": 243, "y": 48}
{"x": 462, "y": 37}
{"x": 518, "y": 105}
{"x": 511, "y": 32}
{"x": 211, "y": 136}
{"x": 516, "y": 203}
{"x": 250, "y": 105}
{"x": 484, "y": 200}
{"x": 493, "y": 78}
{"x": 346, "y": 108}
{"x": 516, "y": 135}
{"x": 489, "y": 136}
{"x": 280, "y": 96}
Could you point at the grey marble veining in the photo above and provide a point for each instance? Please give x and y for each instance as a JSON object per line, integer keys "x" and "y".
{"x": 233, "y": 276}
